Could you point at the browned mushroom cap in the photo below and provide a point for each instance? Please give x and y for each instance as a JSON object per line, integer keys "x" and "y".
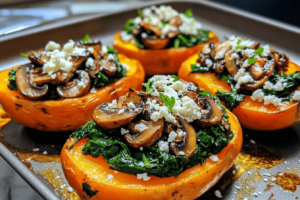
{"x": 148, "y": 136}
{"x": 82, "y": 86}
{"x": 207, "y": 48}
{"x": 191, "y": 86}
{"x": 37, "y": 77}
{"x": 169, "y": 127}
{"x": 256, "y": 71}
{"x": 108, "y": 118}
{"x": 173, "y": 34}
{"x": 78, "y": 60}
{"x": 212, "y": 113}
{"x": 230, "y": 64}
{"x": 282, "y": 61}
{"x": 154, "y": 28}
{"x": 96, "y": 45}
{"x": 188, "y": 145}
{"x": 175, "y": 21}
{"x": 223, "y": 46}
{"x": 255, "y": 45}
{"x": 219, "y": 66}
{"x": 268, "y": 71}
{"x": 24, "y": 85}
{"x": 158, "y": 43}
{"x": 38, "y": 57}
{"x": 109, "y": 67}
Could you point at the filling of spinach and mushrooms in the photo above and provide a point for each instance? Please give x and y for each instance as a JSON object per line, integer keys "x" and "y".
{"x": 97, "y": 77}
{"x": 276, "y": 88}
{"x": 152, "y": 159}
{"x": 163, "y": 27}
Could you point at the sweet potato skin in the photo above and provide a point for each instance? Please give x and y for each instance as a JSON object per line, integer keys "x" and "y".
{"x": 67, "y": 114}
{"x": 162, "y": 61}
{"x": 190, "y": 184}
{"x": 251, "y": 114}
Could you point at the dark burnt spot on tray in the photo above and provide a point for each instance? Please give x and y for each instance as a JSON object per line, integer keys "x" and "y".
{"x": 174, "y": 193}
{"x": 45, "y": 110}
{"x": 19, "y": 105}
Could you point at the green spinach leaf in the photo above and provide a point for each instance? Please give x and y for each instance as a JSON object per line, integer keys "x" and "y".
{"x": 12, "y": 79}
{"x": 88, "y": 190}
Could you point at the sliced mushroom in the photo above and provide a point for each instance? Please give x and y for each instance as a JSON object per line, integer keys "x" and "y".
{"x": 25, "y": 87}
{"x": 188, "y": 145}
{"x": 110, "y": 118}
{"x": 255, "y": 45}
{"x": 191, "y": 86}
{"x": 97, "y": 48}
{"x": 78, "y": 60}
{"x": 147, "y": 137}
{"x": 172, "y": 34}
{"x": 109, "y": 67}
{"x": 82, "y": 86}
{"x": 175, "y": 21}
{"x": 207, "y": 48}
{"x": 158, "y": 43}
{"x": 212, "y": 113}
{"x": 169, "y": 127}
{"x": 268, "y": 71}
{"x": 230, "y": 64}
{"x": 223, "y": 46}
{"x": 94, "y": 69}
{"x": 154, "y": 28}
{"x": 256, "y": 71}
{"x": 219, "y": 66}
{"x": 37, "y": 77}
{"x": 202, "y": 59}
{"x": 38, "y": 57}
{"x": 282, "y": 61}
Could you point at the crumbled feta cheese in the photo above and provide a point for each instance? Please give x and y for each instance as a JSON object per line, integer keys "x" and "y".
{"x": 172, "y": 136}
{"x": 258, "y": 95}
{"x": 125, "y": 36}
{"x": 53, "y": 76}
{"x": 116, "y": 171}
{"x": 51, "y": 45}
{"x": 81, "y": 84}
{"x": 249, "y": 173}
{"x": 279, "y": 86}
{"x": 78, "y": 51}
{"x": 121, "y": 111}
{"x": 208, "y": 62}
{"x": 218, "y": 194}
{"x": 237, "y": 187}
{"x": 266, "y": 51}
{"x": 252, "y": 141}
{"x": 35, "y": 149}
{"x": 45, "y": 152}
{"x": 163, "y": 146}
{"x": 214, "y": 158}
{"x": 166, "y": 13}
{"x": 220, "y": 54}
{"x": 234, "y": 56}
{"x": 141, "y": 164}
{"x": 167, "y": 28}
{"x": 245, "y": 64}
{"x": 233, "y": 172}
{"x": 189, "y": 25}
{"x": 144, "y": 35}
{"x": 143, "y": 176}
{"x": 296, "y": 95}
{"x": 273, "y": 179}
{"x": 181, "y": 153}
{"x": 70, "y": 189}
{"x": 124, "y": 131}
{"x": 141, "y": 148}
{"x": 110, "y": 176}
{"x": 113, "y": 104}
{"x": 247, "y": 78}
{"x": 58, "y": 61}
{"x": 268, "y": 85}
{"x": 93, "y": 91}
{"x": 104, "y": 49}
{"x": 272, "y": 99}
{"x": 265, "y": 180}
{"x": 280, "y": 174}
{"x": 90, "y": 49}
{"x": 137, "y": 20}
{"x": 140, "y": 127}
{"x": 110, "y": 57}
{"x": 131, "y": 105}
{"x": 248, "y": 52}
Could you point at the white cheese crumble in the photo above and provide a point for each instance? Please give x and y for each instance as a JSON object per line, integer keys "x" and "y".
{"x": 220, "y": 54}
{"x": 89, "y": 62}
{"x": 257, "y": 95}
{"x": 131, "y": 105}
{"x": 214, "y": 158}
{"x": 90, "y": 49}
{"x": 45, "y": 152}
{"x": 181, "y": 153}
{"x": 110, "y": 57}
{"x": 51, "y": 45}
{"x": 124, "y": 131}
{"x": 143, "y": 176}
{"x": 35, "y": 149}
{"x": 140, "y": 127}
{"x": 172, "y": 136}
{"x": 93, "y": 91}
{"x": 104, "y": 49}
{"x": 110, "y": 176}
{"x": 296, "y": 95}
{"x": 218, "y": 194}
{"x": 273, "y": 179}
{"x": 121, "y": 111}
{"x": 272, "y": 99}
{"x": 234, "y": 56}
{"x": 125, "y": 36}
{"x": 163, "y": 146}
{"x": 189, "y": 25}
{"x": 70, "y": 189}
{"x": 208, "y": 63}
{"x": 112, "y": 105}
{"x": 116, "y": 171}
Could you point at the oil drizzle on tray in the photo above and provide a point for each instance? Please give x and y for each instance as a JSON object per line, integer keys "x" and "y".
{"x": 54, "y": 177}
{"x": 288, "y": 181}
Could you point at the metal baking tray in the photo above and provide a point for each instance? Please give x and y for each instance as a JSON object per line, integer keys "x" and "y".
{"x": 264, "y": 154}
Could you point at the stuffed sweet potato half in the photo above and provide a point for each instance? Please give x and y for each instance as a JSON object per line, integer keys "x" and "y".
{"x": 60, "y": 87}
{"x": 259, "y": 84}
{"x": 170, "y": 142}
{"x": 161, "y": 38}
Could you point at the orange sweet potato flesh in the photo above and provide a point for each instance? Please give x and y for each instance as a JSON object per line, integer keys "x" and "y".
{"x": 159, "y": 61}
{"x": 4, "y": 118}
{"x": 67, "y": 114}
{"x": 79, "y": 168}
{"x": 251, "y": 114}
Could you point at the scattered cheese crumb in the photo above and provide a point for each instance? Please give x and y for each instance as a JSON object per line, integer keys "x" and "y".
{"x": 214, "y": 158}
{"x": 124, "y": 131}
{"x": 249, "y": 173}
{"x": 296, "y": 95}
{"x": 90, "y": 49}
{"x": 233, "y": 172}
{"x": 181, "y": 153}
{"x": 208, "y": 62}
{"x": 220, "y": 54}
{"x": 172, "y": 136}
{"x": 143, "y": 176}
{"x": 116, "y": 171}
{"x": 70, "y": 189}
{"x": 273, "y": 179}
{"x": 163, "y": 146}
{"x": 110, "y": 176}
{"x": 252, "y": 141}
{"x": 89, "y": 62}
{"x": 131, "y": 105}
{"x": 93, "y": 91}
{"x": 113, "y": 104}
{"x": 265, "y": 180}
{"x": 280, "y": 174}
{"x": 218, "y": 194}
{"x": 121, "y": 111}
{"x": 35, "y": 149}
{"x": 140, "y": 127}
{"x": 141, "y": 148}
{"x": 51, "y": 45}
{"x": 45, "y": 152}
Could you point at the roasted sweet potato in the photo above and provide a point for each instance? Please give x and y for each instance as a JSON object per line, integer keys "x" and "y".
{"x": 66, "y": 114}
{"x": 159, "y": 61}
{"x": 79, "y": 168}
{"x": 251, "y": 114}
